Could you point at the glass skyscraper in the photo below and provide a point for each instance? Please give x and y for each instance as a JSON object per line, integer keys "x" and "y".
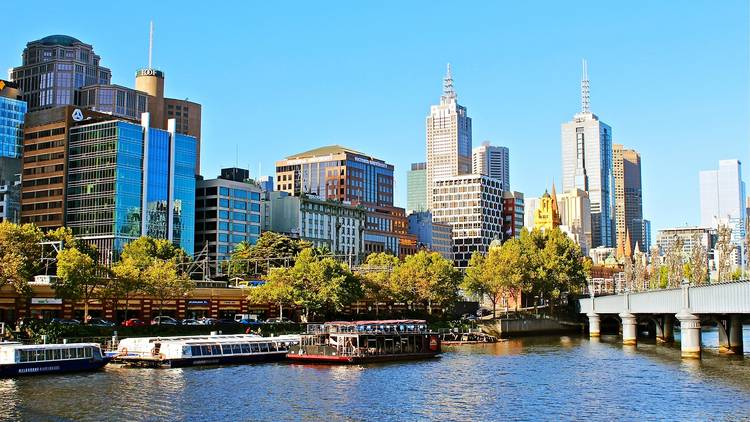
{"x": 722, "y": 194}
{"x": 127, "y": 180}
{"x": 12, "y": 112}
{"x": 416, "y": 188}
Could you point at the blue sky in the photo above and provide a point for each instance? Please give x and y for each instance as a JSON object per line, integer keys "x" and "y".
{"x": 276, "y": 78}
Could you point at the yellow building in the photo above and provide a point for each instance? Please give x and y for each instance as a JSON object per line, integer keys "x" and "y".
{"x": 547, "y": 215}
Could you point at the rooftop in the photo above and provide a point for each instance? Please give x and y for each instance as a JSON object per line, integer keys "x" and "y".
{"x": 63, "y": 40}
{"x": 326, "y": 150}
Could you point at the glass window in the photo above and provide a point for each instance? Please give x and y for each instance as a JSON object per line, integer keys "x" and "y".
{"x": 224, "y": 203}
{"x": 224, "y": 191}
{"x": 224, "y": 214}
{"x": 254, "y": 347}
{"x": 254, "y": 207}
{"x": 205, "y": 350}
{"x": 215, "y": 349}
{"x": 255, "y": 196}
{"x": 236, "y": 349}
{"x": 238, "y": 216}
{"x": 236, "y": 227}
{"x": 239, "y": 193}
{"x": 245, "y": 348}
{"x": 253, "y": 229}
{"x": 238, "y": 238}
{"x": 240, "y": 205}
{"x": 195, "y": 350}
{"x": 223, "y": 237}
{"x": 223, "y": 225}
{"x": 253, "y": 218}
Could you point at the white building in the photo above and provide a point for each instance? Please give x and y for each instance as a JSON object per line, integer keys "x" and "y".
{"x": 530, "y": 206}
{"x": 472, "y": 204}
{"x": 448, "y": 138}
{"x": 575, "y": 216}
{"x": 706, "y": 235}
{"x": 493, "y": 161}
{"x": 721, "y": 199}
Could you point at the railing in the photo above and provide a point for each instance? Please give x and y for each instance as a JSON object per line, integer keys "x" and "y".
{"x": 606, "y": 289}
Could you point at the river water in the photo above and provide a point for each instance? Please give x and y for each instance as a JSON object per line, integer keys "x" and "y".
{"x": 541, "y": 378}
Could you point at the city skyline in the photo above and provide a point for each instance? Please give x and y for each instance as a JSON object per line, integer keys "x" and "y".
{"x": 656, "y": 102}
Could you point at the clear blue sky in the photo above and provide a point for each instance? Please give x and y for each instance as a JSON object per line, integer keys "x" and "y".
{"x": 671, "y": 78}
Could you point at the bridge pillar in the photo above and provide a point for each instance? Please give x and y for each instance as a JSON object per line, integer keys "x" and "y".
{"x": 667, "y": 329}
{"x": 593, "y": 324}
{"x": 690, "y": 333}
{"x": 629, "y": 328}
{"x": 735, "y": 336}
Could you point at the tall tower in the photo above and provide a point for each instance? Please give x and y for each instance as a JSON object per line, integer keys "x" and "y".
{"x": 626, "y": 164}
{"x": 151, "y": 81}
{"x": 587, "y": 165}
{"x": 493, "y": 161}
{"x": 448, "y": 138}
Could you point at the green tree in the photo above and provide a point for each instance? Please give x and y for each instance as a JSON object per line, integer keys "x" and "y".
{"x": 271, "y": 250}
{"x": 377, "y": 277}
{"x": 278, "y": 289}
{"x": 165, "y": 281}
{"x": 429, "y": 278}
{"x": 20, "y": 253}
{"x": 498, "y": 276}
{"x": 128, "y": 280}
{"x": 78, "y": 277}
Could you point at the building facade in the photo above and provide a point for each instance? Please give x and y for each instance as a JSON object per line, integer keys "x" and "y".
{"x": 472, "y": 205}
{"x": 706, "y": 236}
{"x": 432, "y": 236}
{"x": 116, "y": 100}
{"x": 513, "y": 214}
{"x": 493, "y": 161}
{"x": 448, "y": 138}
{"x": 387, "y": 230}
{"x": 721, "y": 202}
{"x": 587, "y": 165}
{"x": 53, "y": 68}
{"x": 227, "y": 213}
{"x": 416, "y": 188}
{"x": 575, "y": 216}
{"x": 626, "y": 165}
{"x": 646, "y": 235}
{"x": 12, "y": 112}
{"x": 547, "y": 214}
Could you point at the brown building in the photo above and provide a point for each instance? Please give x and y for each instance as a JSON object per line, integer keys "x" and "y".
{"x": 513, "y": 210}
{"x": 626, "y": 167}
{"x": 387, "y": 230}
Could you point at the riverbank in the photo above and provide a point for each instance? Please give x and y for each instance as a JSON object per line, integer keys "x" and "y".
{"x": 516, "y": 327}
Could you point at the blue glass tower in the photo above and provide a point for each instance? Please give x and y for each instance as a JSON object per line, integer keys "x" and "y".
{"x": 12, "y": 112}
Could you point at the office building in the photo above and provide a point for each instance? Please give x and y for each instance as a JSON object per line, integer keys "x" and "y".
{"x": 493, "y": 161}
{"x": 587, "y": 165}
{"x": 127, "y": 180}
{"x": 12, "y": 111}
{"x": 227, "y": 213}
{"x": 472, "y": 204}
{"x": 326, "y": 224}
{"x": 416, "y": 188}
{"x": 448, "y": 138}
{"x": 387, "y": 230}
{"x": 646, "y": 236}
{"x": 119, "y": 101}
{"x": 626, "y": 165}
{"x": 513, "y": 214}
{"x": 431, "y": 236}
{"x": 575, "y": 216}
{"x": 665, "y": 238}
{"x": 53, "y": 68}
{"x": 721, "y": 202}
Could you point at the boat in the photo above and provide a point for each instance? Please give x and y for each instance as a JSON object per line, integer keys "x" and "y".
{"x": 181, "y": 351}
{"x": 28, "y": 359}
{"x": 357, "y": 342}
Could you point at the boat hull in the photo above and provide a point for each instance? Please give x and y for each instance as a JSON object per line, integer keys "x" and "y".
{"x": 52, "y": 367}
{"x": 357, "y": 360}
{"x": 202, "y": 360}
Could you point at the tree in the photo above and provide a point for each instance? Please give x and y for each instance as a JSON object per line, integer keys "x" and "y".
{"x": 673, "y": 259}
{"x": 271, "y": 250}
{"x": 377, "y": 277}
{"x": 656, "y": 267}
{"x": 164, "y": 281}
{"x": 499, "y": 275}
{"x": 78, "y": 277}
{"x": 427, "y": 277}
{"x": 723, "y": 253}
{"x": 698, "y": 261}
{"x": 277, "y": 289}
{"x": 20, "y": 253}
{"x": 639, "y": 271}
{"x": 128, "y": 280}
{"x": 629, "y": 273}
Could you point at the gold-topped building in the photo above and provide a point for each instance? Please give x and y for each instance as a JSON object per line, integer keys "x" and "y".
{"x": 547, "y": 214}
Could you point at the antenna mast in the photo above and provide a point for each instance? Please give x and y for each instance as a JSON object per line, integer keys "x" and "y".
{"x": 585, "y": 95}
{"x": 150, "y": 42}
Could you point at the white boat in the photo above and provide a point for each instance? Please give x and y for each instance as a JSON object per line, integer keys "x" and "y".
{"x": 26, "y": 359}
{"x": 203, "y": 350}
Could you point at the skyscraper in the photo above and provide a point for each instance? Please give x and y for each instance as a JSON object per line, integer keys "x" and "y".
{"x": 416, "y": 188}
{"x": 721, "y": 201}
{"x": 587, "y": 165}
{"x": 448, "y": 138}
{"x": 492, "y": 161}
{"x": 53, "y": 68}
{"x": 12, "y": 111}
{"x": 626, "y": 164}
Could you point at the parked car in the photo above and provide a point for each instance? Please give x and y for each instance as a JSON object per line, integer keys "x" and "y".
{"x": 133, "y": 322}
{"x": 63, "y": 321}
{"x": 228, "y": 321}
{"x": 278, "y": 320}
{"x": 468, "y": 317}
{"x": 99, "y": 322}
{"x": 250, "y": 322}
{"x": 191, "y": 321}
{"x": 164, "y": 320}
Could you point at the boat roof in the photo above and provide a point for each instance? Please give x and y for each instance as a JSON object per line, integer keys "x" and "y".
{"x": 379, "y": 322}
{"x": 219, "y": 338}
{"x": 48, "y": 346}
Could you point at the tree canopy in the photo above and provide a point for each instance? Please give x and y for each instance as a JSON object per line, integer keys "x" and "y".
{"x": 271, "y": 250}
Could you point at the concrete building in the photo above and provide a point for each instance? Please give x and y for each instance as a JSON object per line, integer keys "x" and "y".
{"x": 493, "y": 161}
{"x": 416, "y": 188}
{"x": 448, "y": 138}
{"x": 721, "y": 202}
{"x": 575, "y": 216}
{"x": 587, "y": 165}
{"x": 513, "y": 214}
{"x": 227, "y": 213}
{"x": 472, "y": 204}
{"x": 626, "y": 164}
{"x": 126, "y": 180}
{"x": 706, "y": 235}
{"x": 53, "y": 68}
{"x": 330, "y": 224}
{"x": 12, "y": 112}
{"x": 530, "y": 206}
{"x": 432, "y": 236}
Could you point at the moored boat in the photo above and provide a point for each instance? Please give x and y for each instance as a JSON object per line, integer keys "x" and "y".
{"x": 366, "y": 341}
{"x": 203, "y": 350}
{"x": 27, "y": 359}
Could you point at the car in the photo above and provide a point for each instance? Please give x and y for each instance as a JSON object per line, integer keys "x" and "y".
{"x": 133, "y": 322}
{"x": 191, "y": 321}
{"x": 100, "y": 322}
{"x": 468, "y": 317}
{"x": 63, "y": 321}
{"x": 164, "y": 320}
{"x": 278, "y": 320}
{"x": 228, "y": 321}
{"x": 209, "y": 321}
{"x": 250, "y": 322}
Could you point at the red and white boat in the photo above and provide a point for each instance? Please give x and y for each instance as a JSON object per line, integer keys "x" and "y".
{"x": 354, "y": 342}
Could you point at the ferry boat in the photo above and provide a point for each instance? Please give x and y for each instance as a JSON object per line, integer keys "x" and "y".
{"x": 218, "y": 349}
{"x": 366, "y": 341}
{"x": 27, "y": 359}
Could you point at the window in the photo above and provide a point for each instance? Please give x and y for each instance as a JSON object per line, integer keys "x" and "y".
{"x": 224, "y": 214}
{"x": 195, "y": 351}
{"x": 224, "y": 191}
{"x": 223, "y": 225}
{"x": 223, "y": 237}
{"x": 245, "y": 348}
{"x": 255, "y": 207}
{"x": 224, "y": 203}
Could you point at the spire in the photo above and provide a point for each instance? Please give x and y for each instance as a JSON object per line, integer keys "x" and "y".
{"x": 585, "y": 96}
{"x": 628, "y": 248}
{"x": 448, "y": 91}
{"x": 150, "y": 42}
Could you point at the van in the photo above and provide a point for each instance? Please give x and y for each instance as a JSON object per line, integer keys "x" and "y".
{"x": 248, "y": 317}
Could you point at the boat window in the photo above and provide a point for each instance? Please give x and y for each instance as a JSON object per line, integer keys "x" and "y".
{"x": 254, "y": 347}
{"x": 226, "y": 349}
{"x": 23, "y": 356}
{"x": 57, "y": 355}
{"x": 39, "y": 355}
{"x": 236, "y": 349}
{"x": 195, "y": 350}
{"x": 206, "y": 350}
{"x": 215, "y": 349}
{"x": 49, "y": 354}
{"x": 245, "y": 348}
{"x": 89, "y": 352}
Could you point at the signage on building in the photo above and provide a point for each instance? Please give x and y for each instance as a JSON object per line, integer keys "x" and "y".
{"x": 197, "y": 302}
{"x": 45, "y": 301}
{"x": 230, "y": 302}
{"x": 77, "y": 115}
{"x": 374, "y": 163}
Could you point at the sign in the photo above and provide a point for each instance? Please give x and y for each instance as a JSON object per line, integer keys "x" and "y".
{"x": 230, "y": 302}
{"x": 45, "y": 301}
{"x": 197, "y": 302}
{"x": 77, "y": 115}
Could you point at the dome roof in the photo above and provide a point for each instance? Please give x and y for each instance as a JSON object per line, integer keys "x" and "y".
{"x": 63, "y": 40}
{"x": 496, "y": 244}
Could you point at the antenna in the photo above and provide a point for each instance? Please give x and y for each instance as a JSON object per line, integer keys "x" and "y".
{"x": 150, "y": 42}
{"x": 585, "y": 94}
{"x": 448, "y": 91}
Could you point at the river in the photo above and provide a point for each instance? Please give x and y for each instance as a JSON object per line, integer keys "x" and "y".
{"x": 541, "y": 378}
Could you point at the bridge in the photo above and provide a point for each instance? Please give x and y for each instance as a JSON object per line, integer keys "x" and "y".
{"x": 725, "y": 304}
